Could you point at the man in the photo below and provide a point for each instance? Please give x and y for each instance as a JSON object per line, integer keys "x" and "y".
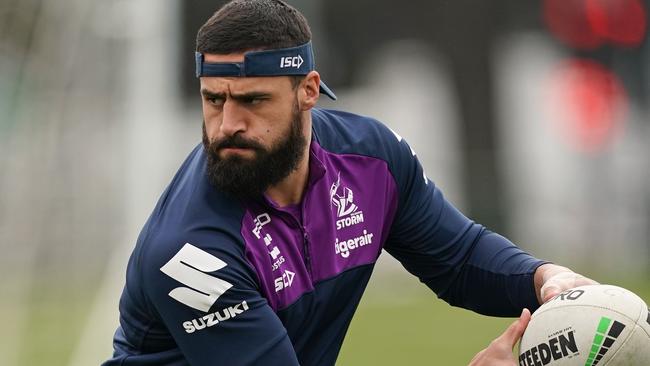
{"x": 259, "y": 250}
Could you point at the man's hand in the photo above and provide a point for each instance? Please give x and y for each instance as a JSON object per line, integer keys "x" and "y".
{"x": 551, "y": 280}
{"x": 499, "y": 352}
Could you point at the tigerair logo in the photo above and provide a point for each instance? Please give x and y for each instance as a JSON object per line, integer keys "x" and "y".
{"x": 347, "y": 211}
{"x": 606, "y": 334}
{"x": 344, "y": 247}
{"x": 560, "y": 345}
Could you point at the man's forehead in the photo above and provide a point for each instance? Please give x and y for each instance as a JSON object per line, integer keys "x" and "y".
{"x": 236, "y": 84}
{"x": 230, "y": 57}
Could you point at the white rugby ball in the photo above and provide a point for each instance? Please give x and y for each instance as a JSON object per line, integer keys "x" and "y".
{"x": 588, "y": 326}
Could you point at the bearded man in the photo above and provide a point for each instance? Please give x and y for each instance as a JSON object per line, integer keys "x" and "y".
{"x": 261, "y": 247}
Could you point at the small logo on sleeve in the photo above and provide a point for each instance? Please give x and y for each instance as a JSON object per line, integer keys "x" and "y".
{"x": 212, "y": 319}
{"x": 190, "y": 266}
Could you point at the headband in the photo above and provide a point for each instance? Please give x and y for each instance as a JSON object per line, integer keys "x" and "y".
{"x": 297, "y": 60}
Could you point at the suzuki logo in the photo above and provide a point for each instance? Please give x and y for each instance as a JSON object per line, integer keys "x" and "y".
{"x": 191, "y": 267}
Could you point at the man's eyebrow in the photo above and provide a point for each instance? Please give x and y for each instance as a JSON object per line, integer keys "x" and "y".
{"x": 212, "y": 95}
{"x": 208, "y": 94}
{"x": 250, "y": 95}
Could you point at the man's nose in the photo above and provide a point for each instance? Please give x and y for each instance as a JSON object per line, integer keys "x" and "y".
{"x": 233, "y": 118}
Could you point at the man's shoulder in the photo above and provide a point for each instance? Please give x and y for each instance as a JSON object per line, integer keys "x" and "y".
{"x": 342, "y": 121}
{"x": 348, "y": 133}
{"x": 191, "y": 211}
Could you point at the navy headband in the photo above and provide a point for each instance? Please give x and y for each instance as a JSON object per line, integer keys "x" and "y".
{"x": 297, "y": 60}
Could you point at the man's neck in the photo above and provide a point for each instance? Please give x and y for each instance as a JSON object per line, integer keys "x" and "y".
{"x": 291, "y": 189}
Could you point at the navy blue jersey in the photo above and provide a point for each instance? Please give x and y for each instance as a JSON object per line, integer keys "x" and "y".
{"x": 216, "y": 281}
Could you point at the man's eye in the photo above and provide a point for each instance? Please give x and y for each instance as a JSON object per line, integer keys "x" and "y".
{"x": 253, "y": 100}
{"x": 215, "y": 101}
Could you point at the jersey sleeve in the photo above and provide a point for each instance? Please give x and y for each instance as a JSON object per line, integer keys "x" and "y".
{"x": 196, "y": 301}
{"x": 465, "y": 264}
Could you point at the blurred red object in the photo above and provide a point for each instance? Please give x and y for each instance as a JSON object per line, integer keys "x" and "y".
{"x": 622, "y": 22}
{"x": 568, "y": 21}
{"x": 588, "y": 104}
{"x": 588, "y": 24}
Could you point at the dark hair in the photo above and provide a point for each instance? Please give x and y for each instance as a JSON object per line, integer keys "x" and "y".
{"x": 243, "y": 25}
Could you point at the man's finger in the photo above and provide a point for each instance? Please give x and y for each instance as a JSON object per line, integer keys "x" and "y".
{"x": 559, "y": 282}
{"x": 550, "y": 292}
{"x": 514, "y": 332}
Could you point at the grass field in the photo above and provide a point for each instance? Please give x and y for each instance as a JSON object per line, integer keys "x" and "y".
{"x": 414, "y": 327}
{"x": 399, "y": 321}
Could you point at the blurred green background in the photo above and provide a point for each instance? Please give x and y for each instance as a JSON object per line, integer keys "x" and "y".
{"x": 531, "y": 117}
{"x": 415, "y": 327}
{"x": 398, "y": 321}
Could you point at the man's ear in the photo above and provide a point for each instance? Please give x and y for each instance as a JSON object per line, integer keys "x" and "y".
{"x": 309, "y": 91}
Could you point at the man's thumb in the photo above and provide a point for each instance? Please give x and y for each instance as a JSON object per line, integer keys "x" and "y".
{"x": 516, "y": 329}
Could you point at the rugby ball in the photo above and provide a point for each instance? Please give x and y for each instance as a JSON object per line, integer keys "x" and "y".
{"x": 588, "y": 326}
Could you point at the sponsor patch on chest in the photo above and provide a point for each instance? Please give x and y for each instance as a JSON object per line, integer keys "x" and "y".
{"x": 343, "y": 247}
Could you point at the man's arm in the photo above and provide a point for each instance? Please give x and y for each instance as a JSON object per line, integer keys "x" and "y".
{"x": 197, "y": 303}
{"x": 207, "y": 296}
{"x": 463, "y": 262}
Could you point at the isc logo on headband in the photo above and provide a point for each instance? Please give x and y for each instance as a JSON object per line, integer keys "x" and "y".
{"x": 291, "y": 61}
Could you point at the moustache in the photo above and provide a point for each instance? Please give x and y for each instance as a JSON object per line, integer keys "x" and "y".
{"x": 236, "y": 142}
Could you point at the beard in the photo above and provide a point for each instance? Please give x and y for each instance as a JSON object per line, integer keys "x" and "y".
{"x": 249, "y": 178}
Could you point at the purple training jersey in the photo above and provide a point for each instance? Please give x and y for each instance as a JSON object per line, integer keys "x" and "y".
{"x": 216, "y": 281}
